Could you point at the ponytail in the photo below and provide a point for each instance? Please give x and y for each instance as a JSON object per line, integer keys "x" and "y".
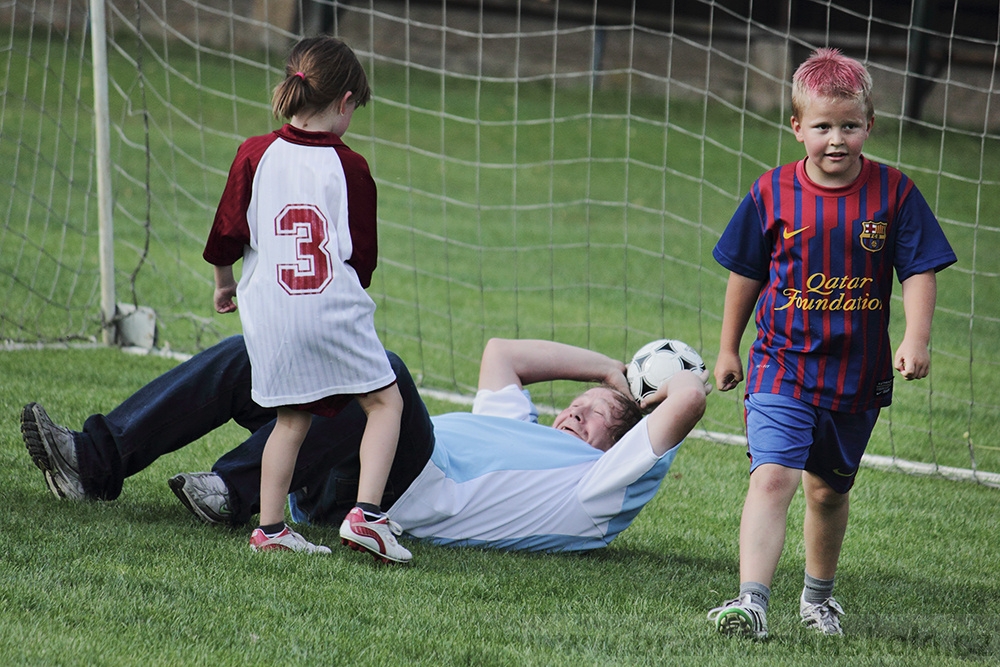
{"x": 319, "y": 71}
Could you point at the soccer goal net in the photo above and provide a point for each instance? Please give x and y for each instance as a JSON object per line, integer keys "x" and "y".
{"x": 546, "y": 168}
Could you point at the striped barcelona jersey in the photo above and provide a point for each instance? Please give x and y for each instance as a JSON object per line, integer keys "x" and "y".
{"x": 825, "y": 257}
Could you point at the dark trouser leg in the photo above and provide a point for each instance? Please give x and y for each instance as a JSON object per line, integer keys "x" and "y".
{"x": 170, "y": 412}
{"x": 326, "y": 472}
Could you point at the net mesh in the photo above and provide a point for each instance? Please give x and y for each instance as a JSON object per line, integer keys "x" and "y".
{"x": 545, "y": 169}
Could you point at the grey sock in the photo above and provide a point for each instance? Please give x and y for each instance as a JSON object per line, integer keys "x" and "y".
{"x": 757, "y": 591}
{"x": 816, "y": 590}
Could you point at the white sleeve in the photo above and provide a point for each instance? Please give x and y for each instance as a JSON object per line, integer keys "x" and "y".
{"x": 620, "y": 466}
{"x": 511, "y": 402}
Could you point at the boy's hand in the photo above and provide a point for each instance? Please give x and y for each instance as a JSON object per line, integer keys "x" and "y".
{"x": 728, "y": 371}
{"x": 912, "y": 361}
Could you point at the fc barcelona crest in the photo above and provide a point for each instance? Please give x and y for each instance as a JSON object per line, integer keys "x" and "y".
{"x": 873, "y": 235}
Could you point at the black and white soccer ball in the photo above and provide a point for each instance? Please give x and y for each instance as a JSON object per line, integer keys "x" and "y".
{"x": 656, "y": 362}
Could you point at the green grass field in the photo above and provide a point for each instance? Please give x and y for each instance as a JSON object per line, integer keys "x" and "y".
{"x": 595, "y": 230}
{"x": 141, "y": 581}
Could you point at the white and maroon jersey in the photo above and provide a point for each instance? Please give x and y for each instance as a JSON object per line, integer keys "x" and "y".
{"x": 299, "y": 208}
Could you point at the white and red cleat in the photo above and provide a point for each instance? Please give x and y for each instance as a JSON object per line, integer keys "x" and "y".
{"x": 286, "y": 540}
{"x": 376, "y": 537}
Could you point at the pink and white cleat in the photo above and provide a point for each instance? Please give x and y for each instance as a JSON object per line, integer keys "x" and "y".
{"x": 286, "y": 540}
{"x": 376, "y": 537}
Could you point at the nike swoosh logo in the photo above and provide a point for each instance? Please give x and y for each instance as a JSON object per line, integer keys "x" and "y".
{"x": 836, "y": 471}
{"x": 789, "y": 233}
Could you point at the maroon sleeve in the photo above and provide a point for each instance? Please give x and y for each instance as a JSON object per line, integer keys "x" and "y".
{"x": 361, "y": 214}
{"x": 230, "y": 230}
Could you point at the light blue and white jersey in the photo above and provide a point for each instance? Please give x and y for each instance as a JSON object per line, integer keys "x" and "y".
{"x": 499, "y": 479}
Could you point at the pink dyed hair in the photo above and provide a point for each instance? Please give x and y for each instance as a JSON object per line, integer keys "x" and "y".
{"x": 829, "y": 73}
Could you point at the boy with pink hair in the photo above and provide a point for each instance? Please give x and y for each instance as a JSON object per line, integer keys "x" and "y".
{"x": 813, "y": 247}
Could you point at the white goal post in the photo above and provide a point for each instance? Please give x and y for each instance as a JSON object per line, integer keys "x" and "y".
{"x": 102, "y": 163}
{"x": 546, "y": 168}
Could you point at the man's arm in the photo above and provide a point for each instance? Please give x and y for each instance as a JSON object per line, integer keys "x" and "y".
{"x": 681, "y": 406}
{"x": 524, "y": 362}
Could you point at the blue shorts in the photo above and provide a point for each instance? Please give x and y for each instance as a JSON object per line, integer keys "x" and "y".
{"x": 798, "y": 435}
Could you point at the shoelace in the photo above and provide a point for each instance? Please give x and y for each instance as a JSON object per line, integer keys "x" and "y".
{"x": 306, "y": 545}
{"x": 828, "y": 611}
{"x": 394, "y": 527}
{"x": 714, "y": 612}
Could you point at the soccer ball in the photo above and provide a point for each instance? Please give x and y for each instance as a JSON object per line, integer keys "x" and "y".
{"x": 656, "y": 362}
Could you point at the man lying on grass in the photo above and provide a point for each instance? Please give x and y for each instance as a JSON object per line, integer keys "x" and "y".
{"x": 491, "y": 478}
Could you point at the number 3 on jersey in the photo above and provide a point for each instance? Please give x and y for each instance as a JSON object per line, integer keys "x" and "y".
{"x": 312, "y": 270}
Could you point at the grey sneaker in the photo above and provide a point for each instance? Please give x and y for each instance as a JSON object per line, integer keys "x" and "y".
{"x": 53, "y": 450}
{"x": 822, "y": 616}
{"x": 741, "y": 617}
{"x": 204, "y": 494}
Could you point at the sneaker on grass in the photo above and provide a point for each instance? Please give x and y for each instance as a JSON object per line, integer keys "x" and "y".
{"x": 53, "y": 451}
{"x": 741, "y": 617}
{"x": 822, "y": 616}
{"x": 286, "y": 540}
{"x": 377, "y": 537}
{"x": 204, "y": 494}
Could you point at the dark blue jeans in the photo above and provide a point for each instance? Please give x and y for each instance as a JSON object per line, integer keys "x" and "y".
{"x": 213, "y": 387}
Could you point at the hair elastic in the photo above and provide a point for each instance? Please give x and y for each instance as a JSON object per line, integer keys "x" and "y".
{"x": 301, "y": 75}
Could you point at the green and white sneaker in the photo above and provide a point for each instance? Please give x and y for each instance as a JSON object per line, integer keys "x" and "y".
{"x": 204, "y": 494}
{"x": 822, "y": 616}
{"x": 741, "y": 617}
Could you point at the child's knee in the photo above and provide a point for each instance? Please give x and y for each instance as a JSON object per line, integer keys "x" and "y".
{"x": 775, "y": 481}
{"x": 821, "y": 495}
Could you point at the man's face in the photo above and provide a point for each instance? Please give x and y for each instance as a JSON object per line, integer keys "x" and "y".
{"x": 590, "y": 417}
